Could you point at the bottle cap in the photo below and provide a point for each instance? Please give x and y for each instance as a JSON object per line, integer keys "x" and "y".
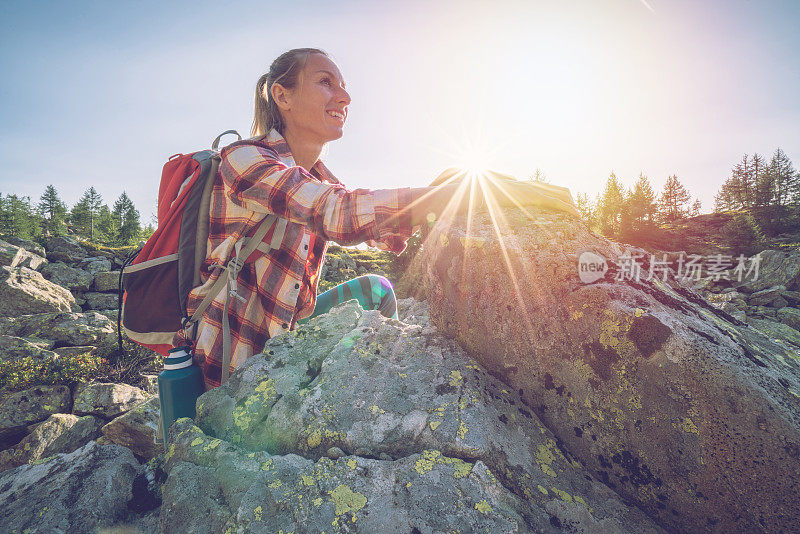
{"x": 178, "y": 358}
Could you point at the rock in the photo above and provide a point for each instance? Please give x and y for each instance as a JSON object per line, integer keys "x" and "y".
{"x": 779, "y": 303}
{"x": 726, "y": 296}
{"x": 14, "y": 256}
{"x": 106, "y": 399}
{"x": 101, "y": 301}
{"x": 60, "y": 433}
{"x": 149, "y": 384}
{"x": 82, "y": 491}
{"x": 95, "y": 264}
{"x": 62, "y": 274}
{"x": 30, "y": 406}
{"x": 65, "y": 249}
{"x": 17, "y": 348}
{"x": 765, "y": 296}
{"x": 106, "y": 281}
{"x": 673, "y": 403}
{"x": 24, "y": 291}
{"x": 733, "y": 310}
{"x": 776, "y": 267}
{"x": 792, "y": 297}
{"x": 378, "y": 389}
{"x": 413, "y": 311}
{"x": 334, "y": 453}
{"x": 764, "y": 311}
{"x": 776, "y": 331}
{"x": 137, "y": 429}
{"x": 66, "y": 329}
{"x": 30, "y": 246}
{"x": 789, "y": 317}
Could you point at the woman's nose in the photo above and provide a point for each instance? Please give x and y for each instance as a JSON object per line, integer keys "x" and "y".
{"x": 344, "y": 97}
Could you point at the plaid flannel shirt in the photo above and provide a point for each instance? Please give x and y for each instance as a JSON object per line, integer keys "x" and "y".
{"x": 259, "y": 176}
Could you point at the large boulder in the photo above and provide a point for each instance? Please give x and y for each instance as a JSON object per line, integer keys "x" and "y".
{"x": 775, "y": 267}
{"x": 95, "y": 264}
{"x": 70, "y": 277}
{"x": 18, "y": 348}
{"x": 28, "y": 245}
{"x": 82, "y": 491}
{"x": 359, "y": 420}
{"x": 137, "y": 429}
{"x": 101, "y": 301}
{"x": 106, "y": 281}
{"x": 24, "y": 291}
{"x": 676, "y": 405}
{"x": 107, "y": 400}
{"x": 65, "y": 249}
{"x": 66, "y": 329}
{"x": 61, "y": 432}
{"x": 14, "y": 256}
{"x": 31, "y": 406}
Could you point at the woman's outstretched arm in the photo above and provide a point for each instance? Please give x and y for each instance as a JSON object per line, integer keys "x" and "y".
{"x": 503, "y": 193}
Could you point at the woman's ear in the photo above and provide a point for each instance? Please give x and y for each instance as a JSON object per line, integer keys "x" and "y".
{"x": 281, "y": 96}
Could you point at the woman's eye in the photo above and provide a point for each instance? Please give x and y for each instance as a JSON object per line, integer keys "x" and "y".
{"x": 326, "y": 80}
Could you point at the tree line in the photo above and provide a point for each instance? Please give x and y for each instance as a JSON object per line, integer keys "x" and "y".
{"x": 89, "y": 219}
{"x": 764, "y": 196}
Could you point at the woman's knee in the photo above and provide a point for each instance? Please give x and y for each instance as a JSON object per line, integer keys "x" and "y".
{"x": 376, "y": 280}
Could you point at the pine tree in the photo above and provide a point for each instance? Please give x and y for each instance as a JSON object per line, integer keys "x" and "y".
{"x": 539, "y": 176}
{"x": 17, "y": 218}
{"x": 641, "y": 202}
{"x": 126, "y": 217}
{"x": 695, "y": 210}
{"x": 763, "y": 189}
{"x": 610, "y": 208}
{"x": 105, "y": 227}
{"x": 52, "y": 210}
{"x": 783, "y": 177}
{"x": 586, "y": 209}
{"x": 85, "y": 213}
{"x": 673, "y": 200}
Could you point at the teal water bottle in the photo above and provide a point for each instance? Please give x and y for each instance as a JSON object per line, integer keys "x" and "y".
{"x": 179, "y": 385}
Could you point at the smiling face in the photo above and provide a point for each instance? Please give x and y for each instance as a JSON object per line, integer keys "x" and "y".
{"x": 316, "y": 109}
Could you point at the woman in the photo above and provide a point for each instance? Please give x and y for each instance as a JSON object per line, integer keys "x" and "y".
{"x": 300, "y": 105}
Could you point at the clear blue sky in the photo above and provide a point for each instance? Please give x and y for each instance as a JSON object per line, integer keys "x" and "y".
{"x": 102, "y": 93}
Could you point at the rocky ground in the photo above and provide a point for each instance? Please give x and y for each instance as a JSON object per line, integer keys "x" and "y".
{"x": 525, "y": 403}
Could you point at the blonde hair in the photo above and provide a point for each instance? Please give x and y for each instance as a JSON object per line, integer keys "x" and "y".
{"x": 285, "y": 69}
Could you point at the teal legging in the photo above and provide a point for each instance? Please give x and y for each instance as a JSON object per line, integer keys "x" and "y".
{"x": 373, "y": 292}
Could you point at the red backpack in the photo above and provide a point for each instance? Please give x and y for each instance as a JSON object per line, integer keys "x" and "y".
{"x": 155, "y": 282}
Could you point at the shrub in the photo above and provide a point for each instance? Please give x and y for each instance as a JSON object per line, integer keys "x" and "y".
{"x": 742, "y": 235}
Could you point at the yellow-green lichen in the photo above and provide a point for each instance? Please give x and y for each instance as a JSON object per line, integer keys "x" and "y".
{"x": 483, "y": 507}
{"x": 306, "y": 480}
{"x": 375, "y": 409}
{"x": 267, "y": 465}
{"x": 346, "y": 500}
{"x": 456, "y": 379}
{"x": 314, "y": 439}
{"x": 562, "y": 494}
{"x": 434, "y": 424}
{"x": 546, "y": 454}
{"x": 543, "y": 489}
{"x": 195, "y": 442}
{"x": 317, "y": 502}
{"x": 689, "y": 426}
{"x": 431, "y": 457}
{"x": 462, "y": 430}
{"x": 257, "y": 513}
{"x": 352, "y": 463}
